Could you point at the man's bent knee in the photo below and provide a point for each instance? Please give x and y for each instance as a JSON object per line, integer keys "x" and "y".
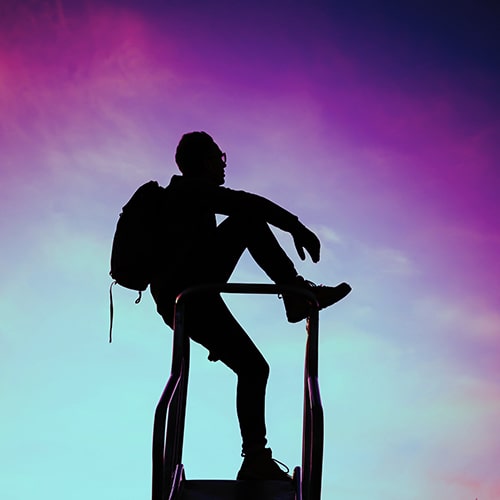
{"x": 257, "y": 370}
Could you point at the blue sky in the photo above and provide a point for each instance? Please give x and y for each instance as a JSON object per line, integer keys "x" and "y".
{"x": 377, "y": 125}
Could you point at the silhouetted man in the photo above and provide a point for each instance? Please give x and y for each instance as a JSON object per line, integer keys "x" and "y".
{"x": 200, "y": 251}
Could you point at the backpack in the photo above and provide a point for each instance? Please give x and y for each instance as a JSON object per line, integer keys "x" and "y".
{"x": 135, "y": 242}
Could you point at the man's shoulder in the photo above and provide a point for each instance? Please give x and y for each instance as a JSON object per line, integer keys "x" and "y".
{"x": 182, "y": 183}
{"x": 177, "y": 183}
{"x": 175, "y": 180}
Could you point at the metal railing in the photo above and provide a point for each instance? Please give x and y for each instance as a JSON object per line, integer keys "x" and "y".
{"x": 168, "y": 430}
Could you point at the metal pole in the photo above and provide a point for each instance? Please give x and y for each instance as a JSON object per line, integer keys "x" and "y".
{"x": 167, "y": 446}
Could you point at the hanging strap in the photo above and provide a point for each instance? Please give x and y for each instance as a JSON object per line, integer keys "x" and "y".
{"x": 111, "y": 309}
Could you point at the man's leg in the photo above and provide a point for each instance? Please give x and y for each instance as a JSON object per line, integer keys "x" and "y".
{"x": 209, "y": 322}
{"x": 237, "y": 233}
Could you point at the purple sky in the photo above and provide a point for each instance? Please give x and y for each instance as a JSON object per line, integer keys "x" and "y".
{"x": 376, "y": 123}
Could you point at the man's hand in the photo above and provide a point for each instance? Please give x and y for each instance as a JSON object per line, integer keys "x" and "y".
{"x": 304, "y": 238}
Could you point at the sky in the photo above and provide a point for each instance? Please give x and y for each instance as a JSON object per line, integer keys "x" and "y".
{"x": 377, "y": 123}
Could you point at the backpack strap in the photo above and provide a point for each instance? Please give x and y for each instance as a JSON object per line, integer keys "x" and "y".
{"x": 111, "y": 309}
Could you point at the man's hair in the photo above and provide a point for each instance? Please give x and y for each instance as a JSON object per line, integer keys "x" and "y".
{"x": 192, "y": 150}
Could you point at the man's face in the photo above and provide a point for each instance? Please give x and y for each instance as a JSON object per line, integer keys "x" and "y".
{"x": 215, "y": 164}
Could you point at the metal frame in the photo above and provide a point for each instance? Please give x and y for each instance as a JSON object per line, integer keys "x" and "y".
{"x": 168, "y": 430}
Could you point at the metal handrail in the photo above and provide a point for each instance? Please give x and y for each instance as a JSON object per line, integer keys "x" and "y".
{"x": 313, "y": 426}
{"x": 171, "y": 408}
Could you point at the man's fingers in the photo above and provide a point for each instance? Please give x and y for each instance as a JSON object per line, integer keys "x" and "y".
{"x": 307, "y": 241}
{"x": 314, "y": 253}
{"x": 300, "y": 250}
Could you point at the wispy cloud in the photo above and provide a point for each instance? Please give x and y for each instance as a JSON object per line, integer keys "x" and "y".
{"x": 466, "y": 317}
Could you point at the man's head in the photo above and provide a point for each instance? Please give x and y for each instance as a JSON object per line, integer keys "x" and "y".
{"x": 197, "y": 155}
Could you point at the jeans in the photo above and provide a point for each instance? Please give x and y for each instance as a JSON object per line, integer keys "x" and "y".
{"x": 209, "y": 322}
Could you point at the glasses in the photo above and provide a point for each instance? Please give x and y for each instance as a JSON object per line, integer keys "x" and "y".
{"x": 223, "y": 157}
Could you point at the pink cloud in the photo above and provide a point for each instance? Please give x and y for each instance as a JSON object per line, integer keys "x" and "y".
{"x": 76, "y": 83}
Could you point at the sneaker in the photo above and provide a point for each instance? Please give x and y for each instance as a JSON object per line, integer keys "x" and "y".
{"x": 297, "y": 308}
{"x": 262, "y": 466}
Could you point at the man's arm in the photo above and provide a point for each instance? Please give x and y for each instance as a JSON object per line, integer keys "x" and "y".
{"x": 228, "y": 201}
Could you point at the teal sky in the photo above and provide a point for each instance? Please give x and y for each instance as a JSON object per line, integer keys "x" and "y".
{"x": 378, "y": 126}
